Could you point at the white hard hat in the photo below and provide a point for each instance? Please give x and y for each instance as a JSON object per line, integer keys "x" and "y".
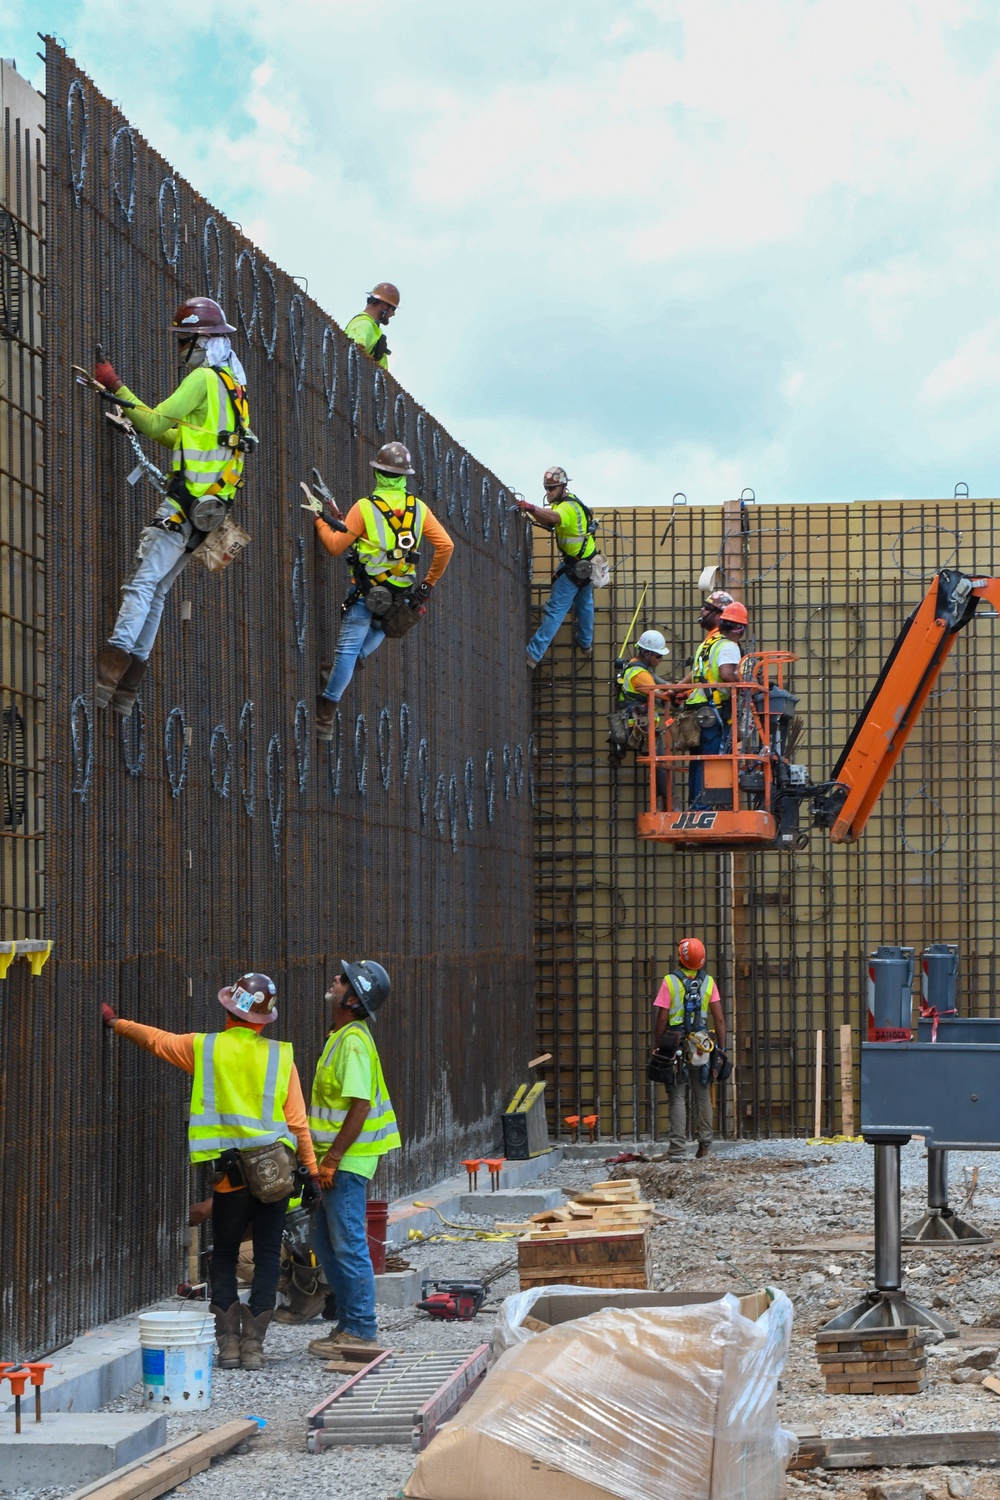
{"x": 652, "y": 640}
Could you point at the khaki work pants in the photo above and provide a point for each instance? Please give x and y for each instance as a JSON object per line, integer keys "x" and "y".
{"x": 701, "y": 1099}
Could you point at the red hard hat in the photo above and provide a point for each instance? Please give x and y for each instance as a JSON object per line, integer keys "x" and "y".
{"x": 691, "y": 952}
{"x": 385, "y": 292}
{"x": 251, "y": 998}
{"x": 201, "y": 315}
{"x": 735, "y": 614}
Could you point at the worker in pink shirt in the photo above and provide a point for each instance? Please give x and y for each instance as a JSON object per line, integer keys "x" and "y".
{"x": 683, "y": 1050}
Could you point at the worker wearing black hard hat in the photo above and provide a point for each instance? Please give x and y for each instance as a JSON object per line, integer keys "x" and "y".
{"x": 353, "y": 1126}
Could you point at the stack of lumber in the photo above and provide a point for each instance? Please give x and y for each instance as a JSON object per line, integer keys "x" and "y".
{"x": 600, "y": 1238}
{"x": 873, "y": 1361}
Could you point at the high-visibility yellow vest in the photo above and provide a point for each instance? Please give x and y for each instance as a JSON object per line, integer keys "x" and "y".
{"x": 364, "y": 330}
{"x": 677, "y": 984}
{"x": 328, "y": 1107}
{"x": 573, "y": 536}
{"x": 379, "y": 550}
{"x": 706, "y": 669}
{"x": 627, "y": 694}
{"x": 240, "y": 1088}
{"x": 207, "y": 467}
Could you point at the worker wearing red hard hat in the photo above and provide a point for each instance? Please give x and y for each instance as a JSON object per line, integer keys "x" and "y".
{"x": 366, "y": 327}
{"x": 716, "y": 663}
{"x": 206, "y": 425}
{"x": 684, "y": 1052}
{"x": 247, "y": 1117}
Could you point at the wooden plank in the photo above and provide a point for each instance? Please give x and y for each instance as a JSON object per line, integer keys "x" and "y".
{"x": 846, "y": 1080}
{"x": 912, "y": 1450}
{"x": 818, "y": 1102}
{"x": 169, "y": 1466}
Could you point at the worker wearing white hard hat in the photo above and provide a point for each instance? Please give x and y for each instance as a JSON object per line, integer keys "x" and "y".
{"x": 630, "y": 725}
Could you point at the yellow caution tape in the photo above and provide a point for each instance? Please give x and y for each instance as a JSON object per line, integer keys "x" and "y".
{"x": 835, "y": 1140}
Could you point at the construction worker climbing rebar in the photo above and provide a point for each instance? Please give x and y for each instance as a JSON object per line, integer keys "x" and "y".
{"x": 629, "y": 723}
{"x": 683, "y": 1051}
{"x": 574, "y": 526}
{"x": 381, "y": 534}
{"x": 206, "y": 424}
{"x": 366, "y": 327}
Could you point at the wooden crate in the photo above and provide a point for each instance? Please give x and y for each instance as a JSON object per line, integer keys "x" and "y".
{"x": 613, "y": 1260}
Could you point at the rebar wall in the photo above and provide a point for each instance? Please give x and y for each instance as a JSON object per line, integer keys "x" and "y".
{"x": 787, "y": 936}
{"x": 210, "y": 833}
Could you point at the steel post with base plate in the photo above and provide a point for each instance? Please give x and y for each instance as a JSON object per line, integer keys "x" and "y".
{"x": 888, "y": 1306}
{"x": 940, "y": 1226}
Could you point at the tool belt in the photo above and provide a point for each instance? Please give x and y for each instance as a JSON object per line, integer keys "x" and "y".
{"x": 205, "y": 512}
{"x": 395, "y": 609}
{"x": 666, "y": 1065}
{"x": 268, "y": 1171}
{"x": 579, "y": 570}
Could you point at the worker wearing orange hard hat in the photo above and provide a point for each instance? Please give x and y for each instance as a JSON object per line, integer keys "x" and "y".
{"x": 684, "y": 1052}
{"x": 366, "y": 327}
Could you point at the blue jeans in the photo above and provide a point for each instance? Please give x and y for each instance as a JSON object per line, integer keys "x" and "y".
{"x": 711, "y": 744}
{"x": 359, "y": 637}
{"x": 565, "y": 596}
{"x": 160, "y": 560}
{"x": 340, "y": 1240}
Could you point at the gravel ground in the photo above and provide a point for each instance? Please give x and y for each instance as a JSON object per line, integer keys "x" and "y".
{"x": 743, "y": 1202}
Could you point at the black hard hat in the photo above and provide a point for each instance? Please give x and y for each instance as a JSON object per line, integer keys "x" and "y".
{"x": 370, "y": 983}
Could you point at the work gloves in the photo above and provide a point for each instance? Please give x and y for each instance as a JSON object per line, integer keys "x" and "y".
{"x": 421, "y": 592}
{"x": 312, "y": 1192}
{"x": 327, "y": 1172}
{"x": 105, "y": 374}
{"x": 108, "y": 1015}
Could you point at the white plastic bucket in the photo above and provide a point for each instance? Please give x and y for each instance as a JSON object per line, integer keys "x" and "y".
{"x": 177, "y": 1359}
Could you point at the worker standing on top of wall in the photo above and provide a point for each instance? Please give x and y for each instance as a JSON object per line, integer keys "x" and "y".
{"x": 716, "y": 664}
{"x": 366, "y": 328}
{"x": 247, "y": 1110}
{"x": 574, "y": 526}
{"x": 683, "y": 1050}
{"x": 206, "y": 422}
{"x": 381, "y": 534}
{"x": 353, "y": 1127}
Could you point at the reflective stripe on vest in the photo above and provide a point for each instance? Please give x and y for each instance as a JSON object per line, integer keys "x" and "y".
{"x": 676, "y": 985}
{"x": 628, "y": 694}
{"x": 706, "y": 668}
{"x": 239, "y": 1093}
{"x": 380, "y": 1133}
{"x": 378, "y": 549}
{"x": 205, "y": 466}
{"x": 576, "y": 544}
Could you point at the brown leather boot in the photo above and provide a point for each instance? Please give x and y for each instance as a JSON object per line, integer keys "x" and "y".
{"x": 227, "y": 1331}
{"x": 326, "y": 712}
{"x": 252, "y": 1338}
{"x": 306, "y": 1294}
{"x": 127, "y": 690}
{"x": 110, "y": 667}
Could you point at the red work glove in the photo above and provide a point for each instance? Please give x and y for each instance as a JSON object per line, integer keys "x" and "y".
{"x": 108, "y": 1015}
{"x": 105, "y": 373}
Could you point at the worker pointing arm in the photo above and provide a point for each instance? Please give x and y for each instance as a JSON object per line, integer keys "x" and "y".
{"x": 246, "y": 1098}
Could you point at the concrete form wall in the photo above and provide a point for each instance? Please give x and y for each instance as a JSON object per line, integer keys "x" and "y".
{"x": 787, "y": 935}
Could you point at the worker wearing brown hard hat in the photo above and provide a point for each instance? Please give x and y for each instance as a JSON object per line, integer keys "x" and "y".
{"x": 206, "y": 424}
{"x": 366, "y": 328}
{"x": 684, "y": 1052}
{"x": 247, "y": 1117}
{"x": 382, "y": 533}
{"x": 574, "y": 526}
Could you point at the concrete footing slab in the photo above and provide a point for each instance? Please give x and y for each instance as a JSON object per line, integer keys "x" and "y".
{"x": 512, "y": 1206}
{"x": 417, "y": 1212}
{"x": 71, "y": 1448}
{"x": 399, "y": 1288}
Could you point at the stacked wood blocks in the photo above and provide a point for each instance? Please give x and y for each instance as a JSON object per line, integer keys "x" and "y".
{"x": 600, "y": 1238}
{"x": 873, "y": 1361}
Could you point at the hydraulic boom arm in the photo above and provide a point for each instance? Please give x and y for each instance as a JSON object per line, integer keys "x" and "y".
{"x": 884, "y": 725}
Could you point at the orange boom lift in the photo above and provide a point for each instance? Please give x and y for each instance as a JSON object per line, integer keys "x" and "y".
{"x": 754, "y": 790}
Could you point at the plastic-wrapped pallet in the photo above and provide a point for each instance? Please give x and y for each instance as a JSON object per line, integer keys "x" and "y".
{"x": 653, "y": 1403}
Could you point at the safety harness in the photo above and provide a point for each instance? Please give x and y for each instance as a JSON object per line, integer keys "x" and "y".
{"x": 577, "y": 566}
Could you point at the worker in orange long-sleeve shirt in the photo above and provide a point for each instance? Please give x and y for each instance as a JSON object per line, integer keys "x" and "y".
{"x": 247, "y": 1109}
{"x": 382, "y": 534}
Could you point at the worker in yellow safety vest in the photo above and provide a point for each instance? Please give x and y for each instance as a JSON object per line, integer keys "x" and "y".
{"x": 353, "y": 1126}
{"x": 247, "y": 1116}
{"x": 366, "y": 328}
{"x": 683, "y": 1050}
{"x": 629, "y": 725}
{"x": 381, "y": 535}
{"x": 206, "y": 425}
{"x": 573, "y": 525}
{"x": 716, "y": 663}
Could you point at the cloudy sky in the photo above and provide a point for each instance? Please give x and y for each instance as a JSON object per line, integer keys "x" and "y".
{"x": 671, "y": 244}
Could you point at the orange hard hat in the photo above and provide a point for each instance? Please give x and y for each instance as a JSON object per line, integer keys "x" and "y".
{"x": 385, "y": 292}
{"x": 735, "y": 614}
{"x": 201, "y": 315}
{"x": 691, "y": 952}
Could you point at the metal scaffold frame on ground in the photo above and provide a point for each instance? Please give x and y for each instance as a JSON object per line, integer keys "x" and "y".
{"x": 787, "y": 935}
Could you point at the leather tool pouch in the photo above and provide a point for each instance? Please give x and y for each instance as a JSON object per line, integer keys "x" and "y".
{"x": 402, "y": 616}
{"x": 220, "y": 547}
{"x": 269, "y": 1171}
{"x": 618, "y": 728}
{"x": 685, "y": 730}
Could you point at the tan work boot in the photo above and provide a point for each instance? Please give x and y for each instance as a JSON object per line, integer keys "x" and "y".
{"x": 325, "y": 1347}
{"x": 704, "y": 1149}
{"x": 350, "y": 1345}
{"x": 127, "y": 690}
{"x": 326, "y": 712}
{"x": 252, "y": 1338}
{"x": 110, "y": 667}
{"x": 227, "y": 1331}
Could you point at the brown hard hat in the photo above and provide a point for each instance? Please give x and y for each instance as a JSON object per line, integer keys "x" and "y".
{"x": 393, "y": 458}
{"x": 555, "y": 476}
{"x": 251, "y": 998}
{"x": 385, "y": 292}
{"x": 201, "y": 315}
